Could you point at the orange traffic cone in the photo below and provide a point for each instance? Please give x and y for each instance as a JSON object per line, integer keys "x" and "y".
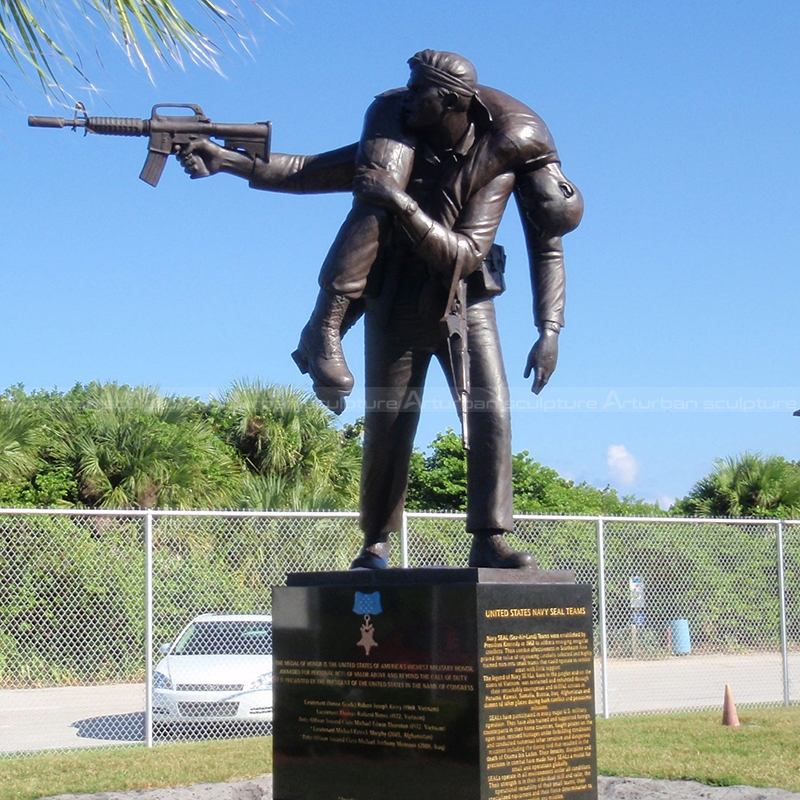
{"x": 729, "y": 715}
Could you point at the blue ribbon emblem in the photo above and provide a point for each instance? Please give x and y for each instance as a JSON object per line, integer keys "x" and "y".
{"x": 367, "y": 604}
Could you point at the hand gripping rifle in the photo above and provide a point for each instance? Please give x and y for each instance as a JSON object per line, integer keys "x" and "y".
{"x": 167, "y": 134}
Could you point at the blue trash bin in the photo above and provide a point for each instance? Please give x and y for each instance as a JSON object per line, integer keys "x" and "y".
{"x": 680, "y": 636}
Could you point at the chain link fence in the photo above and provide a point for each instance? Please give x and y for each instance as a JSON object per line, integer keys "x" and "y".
{"x": 134, "y": 627}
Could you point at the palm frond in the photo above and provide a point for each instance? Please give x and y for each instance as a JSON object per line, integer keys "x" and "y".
{"x": 36, "y": 36}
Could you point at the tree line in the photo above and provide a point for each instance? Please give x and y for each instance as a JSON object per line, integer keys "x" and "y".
{"x": 257, "y": 446}
{"x": 267, "y": 447}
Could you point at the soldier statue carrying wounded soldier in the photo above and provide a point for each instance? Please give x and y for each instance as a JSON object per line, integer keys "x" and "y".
{"x": 431, "y": 176}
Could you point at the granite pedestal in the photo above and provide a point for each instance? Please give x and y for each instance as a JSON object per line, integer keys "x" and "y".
{"x": 433, "y": 684}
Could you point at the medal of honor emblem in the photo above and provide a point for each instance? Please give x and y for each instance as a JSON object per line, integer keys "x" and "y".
{"x": 368, "y": 605}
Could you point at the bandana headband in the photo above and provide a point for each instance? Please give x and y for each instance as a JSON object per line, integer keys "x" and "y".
{"x": 444, "y": 79}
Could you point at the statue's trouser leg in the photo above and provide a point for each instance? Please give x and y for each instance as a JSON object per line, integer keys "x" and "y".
{"x": 349, "y": 261}
{"x": 343, "y": 277}
{"x": 396, "y": 372}
{"x": 397, "y": 361}
{"x": 490, "y": 505}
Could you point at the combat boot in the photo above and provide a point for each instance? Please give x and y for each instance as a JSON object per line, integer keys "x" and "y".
{"x": 373, "y": 555}
{"x": 319, "y": 352}
{"x": 490, "y": 549}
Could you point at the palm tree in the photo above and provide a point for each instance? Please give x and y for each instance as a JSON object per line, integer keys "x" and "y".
{"x": 746, "y": 486}
{"x": 135, "y": 448}
{"x": 276, "y": 492}
{"x": 19, "y": 439}
{"x": 296, "y": 458}
{"x": 35, "y": 35}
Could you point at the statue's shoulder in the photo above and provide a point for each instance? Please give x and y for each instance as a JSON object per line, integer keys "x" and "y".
{"x": 392, "y": 93}
{"x": 503, "y": 105}
{"x": 517, "y": 122}
{"x": 388, "y": 104}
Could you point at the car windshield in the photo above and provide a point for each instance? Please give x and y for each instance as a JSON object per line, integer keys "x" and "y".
{"x": 226, "y": 638}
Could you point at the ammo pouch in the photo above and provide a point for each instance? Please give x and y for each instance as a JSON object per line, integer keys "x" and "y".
{"x": 489, "y": 279}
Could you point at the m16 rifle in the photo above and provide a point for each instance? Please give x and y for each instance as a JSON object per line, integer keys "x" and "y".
{"x": 169, "y": 133}
{"x": 458, "y": 350}
{"x": 487, "y": 281}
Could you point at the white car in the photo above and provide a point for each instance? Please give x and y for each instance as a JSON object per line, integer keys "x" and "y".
{"x": 219, "y": 669}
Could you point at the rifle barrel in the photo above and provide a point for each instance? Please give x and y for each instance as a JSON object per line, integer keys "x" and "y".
{"x": 50, "y": 122}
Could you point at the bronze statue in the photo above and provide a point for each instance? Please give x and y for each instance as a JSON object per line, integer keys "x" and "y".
{"x": 431, "y": 177}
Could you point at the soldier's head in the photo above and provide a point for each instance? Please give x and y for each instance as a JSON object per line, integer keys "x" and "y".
{"x": 441, "y": 84}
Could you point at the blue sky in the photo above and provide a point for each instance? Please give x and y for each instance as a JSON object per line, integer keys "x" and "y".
{"x": 679, "y": 121}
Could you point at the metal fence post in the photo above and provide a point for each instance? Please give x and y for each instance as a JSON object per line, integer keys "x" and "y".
{"x": 148, "y": 629}
{"x": 404, "y": 540}
{"x": 782, "y": 593}
{"x": 601, "y": 612}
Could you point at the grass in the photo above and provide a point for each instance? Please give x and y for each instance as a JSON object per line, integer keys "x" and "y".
{"x": 126, "y": 768}
{"x": 764, "y": 751}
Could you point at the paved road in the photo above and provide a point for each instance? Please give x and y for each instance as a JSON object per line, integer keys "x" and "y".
{"x": 66, "y": 718}
{"x": 69, "y": 717}
{"x": 691, "y": 682}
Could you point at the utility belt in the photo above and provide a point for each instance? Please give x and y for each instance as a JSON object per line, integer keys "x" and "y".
{"x": 489, "y": 279}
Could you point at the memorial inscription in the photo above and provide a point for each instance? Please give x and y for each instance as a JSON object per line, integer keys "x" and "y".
{"x": 445, "y": 677}
{"x": 469, "y": 689}
{"x": 387, "y": 724}
{"x": 374, "y": 724}
{"x": 537, "y": 695}
{"x": 367, "y": 724}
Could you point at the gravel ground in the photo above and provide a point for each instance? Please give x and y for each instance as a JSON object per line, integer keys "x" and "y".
{"x": 610, "y": 789}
